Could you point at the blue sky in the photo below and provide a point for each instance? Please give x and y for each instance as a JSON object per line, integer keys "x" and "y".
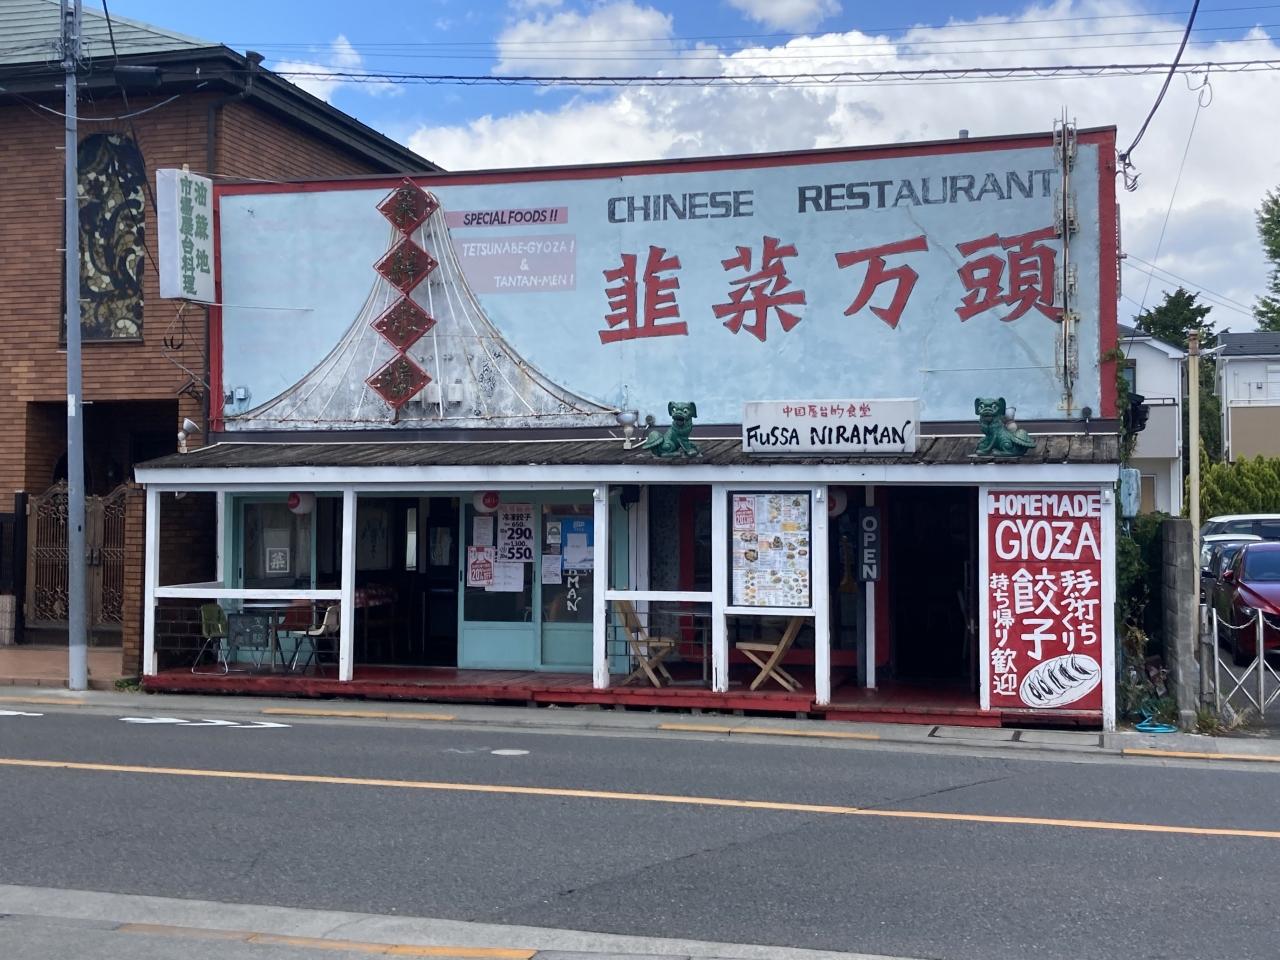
{"x": 1192, "y": 220}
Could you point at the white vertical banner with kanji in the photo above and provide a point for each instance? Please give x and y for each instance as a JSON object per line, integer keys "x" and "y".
{"x": 1046, "y": 593}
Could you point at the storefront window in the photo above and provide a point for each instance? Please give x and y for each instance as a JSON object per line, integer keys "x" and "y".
{"x": 496, "y": 590}
{"x": 680, "y": 538}
{"x": 567, "y": 562}
{"x": 277, "y": 546}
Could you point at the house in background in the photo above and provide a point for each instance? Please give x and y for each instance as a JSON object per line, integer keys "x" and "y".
{"x": 1154, "y": 369}
{"x": 149, "y": 99}
{"x": 1249, "y": 386}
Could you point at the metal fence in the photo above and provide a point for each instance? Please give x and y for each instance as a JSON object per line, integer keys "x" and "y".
{"x": 212, "y": 638}
{"x": 1252, "y": 684}
{"x": 9, "y": 562}
{"x": 660, "y": 643}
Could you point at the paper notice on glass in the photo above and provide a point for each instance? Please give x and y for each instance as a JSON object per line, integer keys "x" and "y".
{"x": 515, "y": 532}
{"x": 553, "y": 533}
{"x": 482, "y": 530}
{"x": 551, "y": 569}
{"x": 479, "y": 566}
{"x": 578, "y": 552}
{"x": 507, "y": 577}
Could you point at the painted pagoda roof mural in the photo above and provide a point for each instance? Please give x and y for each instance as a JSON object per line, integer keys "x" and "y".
{"x": 422, "y": 352}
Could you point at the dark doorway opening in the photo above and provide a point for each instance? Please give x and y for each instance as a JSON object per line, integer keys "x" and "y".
{"x": 933, "y": 559}
{"x": 407, "y": 590}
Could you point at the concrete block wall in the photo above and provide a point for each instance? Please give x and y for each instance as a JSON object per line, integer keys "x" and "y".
{"x": 1181, "y": 616}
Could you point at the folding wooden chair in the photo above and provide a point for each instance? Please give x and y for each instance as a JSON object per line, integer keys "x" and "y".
{"x": 771, "y": 667}
{"x": 647, "y": 651}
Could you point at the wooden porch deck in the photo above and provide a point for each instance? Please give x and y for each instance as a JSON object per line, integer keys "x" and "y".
{"x": 890, "y": 703}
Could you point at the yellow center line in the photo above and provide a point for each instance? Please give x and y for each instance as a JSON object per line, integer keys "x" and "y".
{"x": 1193, "y": 755}
{"x": 362, "y": 714}
{"x": 319, "y": 943}
{"x": 47, "y": 701}
{"x": 667, "y": 798}
{"x": 767, "y": 731}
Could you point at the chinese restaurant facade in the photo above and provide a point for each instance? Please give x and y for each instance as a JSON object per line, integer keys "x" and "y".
{"x": 733, "y": 433}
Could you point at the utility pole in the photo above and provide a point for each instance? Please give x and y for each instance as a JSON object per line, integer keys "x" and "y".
{"x": 1193, "y": 440}
{"x": 77, "y": 634}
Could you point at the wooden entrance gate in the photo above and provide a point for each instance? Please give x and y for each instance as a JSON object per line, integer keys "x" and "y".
{"x": 46, "y": 600}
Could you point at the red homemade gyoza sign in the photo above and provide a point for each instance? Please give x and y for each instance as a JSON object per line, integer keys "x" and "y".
{"x": 1044, "y": 599}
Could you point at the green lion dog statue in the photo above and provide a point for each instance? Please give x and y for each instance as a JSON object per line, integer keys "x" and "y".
{"x": 674, "y": 441}
{"x": 1001, "y": 437}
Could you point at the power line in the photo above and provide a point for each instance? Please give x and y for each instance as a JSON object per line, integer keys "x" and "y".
{"x": 1198, "y": 286}
{"x": 670, "y": 50}
{"x": 1131, "y": 179}
{"x": 790, "y": 55}
{"x": 1201, "y": 103}
{"x": 766, "y": 36}
{"x": 1215, "y": 299}
{"x": 837, "y": 78}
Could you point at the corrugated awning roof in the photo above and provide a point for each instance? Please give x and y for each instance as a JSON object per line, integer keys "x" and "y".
{"x": 727, "y": 452}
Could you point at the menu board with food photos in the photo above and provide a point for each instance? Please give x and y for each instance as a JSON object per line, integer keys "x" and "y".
{"x": 771, "y": 549}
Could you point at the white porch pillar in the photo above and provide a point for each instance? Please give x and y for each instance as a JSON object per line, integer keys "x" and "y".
{"x": 719, "y": 587}
{"x": 600, "y": 583}
{"x": 869, "y": 607}
{"x": 1109, "y": 639}
{"x": 820, "y": 596}
{"x": 150, "y": 580}
{"x": 347, "y": 612}
{"x": 220, "y": 521}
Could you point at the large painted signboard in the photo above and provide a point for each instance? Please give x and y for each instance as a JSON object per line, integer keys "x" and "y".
{"x": 1043, "y": 597}
{"x": 927, "y": 271}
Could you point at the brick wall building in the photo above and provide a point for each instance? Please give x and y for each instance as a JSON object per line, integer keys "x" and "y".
{"x": 145, "y": 366}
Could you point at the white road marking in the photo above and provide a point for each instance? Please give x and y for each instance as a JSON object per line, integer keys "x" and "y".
{"x": 233, "y": 724}
{"x": 509, "y": 753}
{"x": 19, "y": 713}
{"x": 152, "y": 720}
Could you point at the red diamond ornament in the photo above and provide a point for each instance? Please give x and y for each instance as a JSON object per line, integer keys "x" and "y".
{"x": 408, "y": 206}
{"x": 404, "y": 324}
{"x": 398, "y": 381}
{"x": 405, "y": 265}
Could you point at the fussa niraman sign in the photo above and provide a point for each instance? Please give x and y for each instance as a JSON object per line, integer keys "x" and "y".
{"x": 831, "y": 426}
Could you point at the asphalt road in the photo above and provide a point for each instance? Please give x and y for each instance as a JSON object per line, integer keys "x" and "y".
{"x": 813, "y": 874}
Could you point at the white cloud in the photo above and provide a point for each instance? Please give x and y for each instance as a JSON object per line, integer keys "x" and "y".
{"x": 525, "y": 6}
{"x": 617, "y": 37}
{"x": 1211, "y": 237}
{"x": 787, "y": 14}
{"x": 314, "y": 76}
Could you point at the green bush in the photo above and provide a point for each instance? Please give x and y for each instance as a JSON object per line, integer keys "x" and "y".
{"x": 1245, "y": 486}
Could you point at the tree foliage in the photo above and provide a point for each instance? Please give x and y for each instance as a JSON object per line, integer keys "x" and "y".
{"x": 1246, "y": 486}
{"x": 1267, "y": 309}
{"x": 1173, "y": 320}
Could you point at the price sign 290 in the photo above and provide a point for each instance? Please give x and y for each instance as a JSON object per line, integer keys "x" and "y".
{"x": 515, "y": 532}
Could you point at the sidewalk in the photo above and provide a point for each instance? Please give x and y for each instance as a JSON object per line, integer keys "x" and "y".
{"x": 41, "y": 666}
{"x": 1131, "y": 744}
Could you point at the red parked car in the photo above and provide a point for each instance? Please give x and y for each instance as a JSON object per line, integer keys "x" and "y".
{"x": 1248, "y": 587}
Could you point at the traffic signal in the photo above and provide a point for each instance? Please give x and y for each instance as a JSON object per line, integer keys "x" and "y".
{"x": 1135, "y": 418}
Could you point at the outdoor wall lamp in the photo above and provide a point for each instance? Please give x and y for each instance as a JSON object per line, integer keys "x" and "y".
{"x": 189, "y": 427}
{"x": 627, "y": 419}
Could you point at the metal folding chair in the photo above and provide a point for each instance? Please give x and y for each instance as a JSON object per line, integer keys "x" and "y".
{"x": 213, "y": 631}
